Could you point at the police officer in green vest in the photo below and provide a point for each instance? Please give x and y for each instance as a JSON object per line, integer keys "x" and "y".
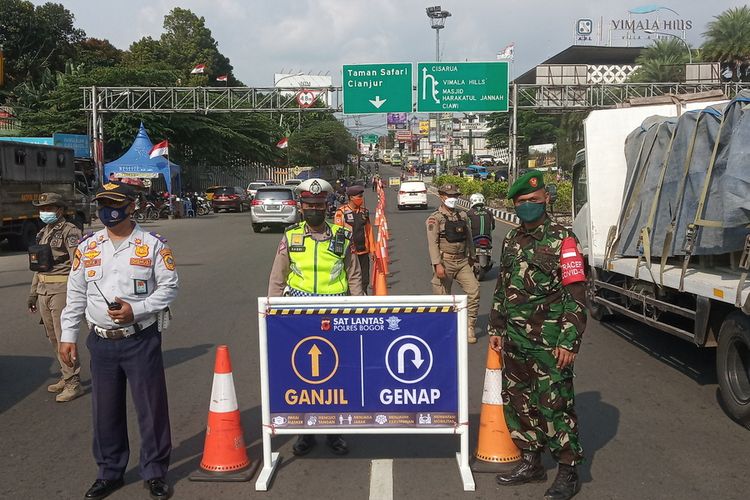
{"x": 314, "y": 258}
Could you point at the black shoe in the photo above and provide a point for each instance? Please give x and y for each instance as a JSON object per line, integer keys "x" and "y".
{"x": 304, "y": 445}
{"x": 566, "y": 484}
{"x": 102, "y": 488}
{"x": 530, "y": 470}
{"x": 158, "y": 488}
{"x": 337, "y": 445}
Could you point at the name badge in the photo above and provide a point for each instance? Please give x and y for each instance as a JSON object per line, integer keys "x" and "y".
{"x": 140, "y": 287}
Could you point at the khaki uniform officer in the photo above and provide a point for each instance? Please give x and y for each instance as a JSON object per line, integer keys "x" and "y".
{"x": 51, "y": 259}
{"x": 452, "y": 252}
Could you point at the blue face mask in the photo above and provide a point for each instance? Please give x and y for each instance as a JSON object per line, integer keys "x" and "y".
{"x": 48, "y": 217}
{"x": 111, "y": 216}
{"x": 530, "y": 212}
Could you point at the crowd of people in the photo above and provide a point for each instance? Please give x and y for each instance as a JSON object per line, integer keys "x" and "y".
{"x": 123, "y": 279}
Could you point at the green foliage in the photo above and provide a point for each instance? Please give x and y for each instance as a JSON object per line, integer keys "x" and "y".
{"x": 93, "y": 52}
{"x": 533, "y": 128}
{"x": 663, "y": 61}
{"x": 465, "y": 159}
{"x": 35, "y": 39}
{"x": 321, "y": 143}
{"x": 728, "y": 37}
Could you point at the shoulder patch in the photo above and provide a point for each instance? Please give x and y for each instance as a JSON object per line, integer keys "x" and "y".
{"x": 86, "y": 236}
{"x": 292, "y": 227}
{"x": 159, "y": 237}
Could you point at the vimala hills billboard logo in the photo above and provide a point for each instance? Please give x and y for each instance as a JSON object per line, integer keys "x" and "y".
{"x": 651, "y": 17}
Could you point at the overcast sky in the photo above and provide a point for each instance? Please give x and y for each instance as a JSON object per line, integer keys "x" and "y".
{"x": 265, "y": 36}
{"x": 262, "y": 37}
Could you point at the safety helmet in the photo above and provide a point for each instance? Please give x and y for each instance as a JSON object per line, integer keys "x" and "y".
{"x": 476, "y": 199}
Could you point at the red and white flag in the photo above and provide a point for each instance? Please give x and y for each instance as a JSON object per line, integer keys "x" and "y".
{"x": 222, "y": 78}
{"x": 284, "y": 142}
{"x": 507, "y": 52}
{"x": 160, "y": 149}
{"x": 198, "y": 70}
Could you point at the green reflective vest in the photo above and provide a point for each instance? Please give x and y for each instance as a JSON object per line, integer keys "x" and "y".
{"x": 315, "y": 269}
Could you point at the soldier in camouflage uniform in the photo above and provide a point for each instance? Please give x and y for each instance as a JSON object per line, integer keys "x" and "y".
{"x": 536, "y": 322}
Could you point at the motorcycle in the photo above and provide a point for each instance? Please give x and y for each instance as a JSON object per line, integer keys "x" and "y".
{"x": 483, "y": 247}
{"x": 204, "y": 207}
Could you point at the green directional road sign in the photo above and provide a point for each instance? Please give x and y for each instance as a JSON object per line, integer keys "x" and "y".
{"x": 460, "y": 87}
{"x": 369, "y": 139}
{"x": 377, "y": 88}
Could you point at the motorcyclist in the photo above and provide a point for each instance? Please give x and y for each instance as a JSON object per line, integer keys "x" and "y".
{"x": 482, "y": 221}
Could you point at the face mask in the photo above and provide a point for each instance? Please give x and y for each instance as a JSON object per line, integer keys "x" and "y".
{"x": 314, "y": 217}
{"x": 530, "y": 212}
{"x": 357, "y": 201}
{"x": 112, "y": 216}
{"x": 48, "y": 217}
{"x": 450, "y": 202}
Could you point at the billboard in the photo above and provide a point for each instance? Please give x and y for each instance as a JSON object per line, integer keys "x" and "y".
{"x": 295, "y": 80}
{"x": 543, "y": 156}
{"x": 396, "y": 121}
{"x": 424, "y": 127}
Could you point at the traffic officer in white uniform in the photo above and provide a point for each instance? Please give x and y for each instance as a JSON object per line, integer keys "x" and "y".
{"x": 124, "y": 279}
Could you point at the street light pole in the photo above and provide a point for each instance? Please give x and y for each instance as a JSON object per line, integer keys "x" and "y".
{"x": 690, "y": 52}
{"x": 437, "y": 22}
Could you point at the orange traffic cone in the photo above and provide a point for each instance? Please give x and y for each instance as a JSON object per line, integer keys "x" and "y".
{"x": 224, "y": 454}
{"x": 384, "y": 260}
{"x": 380, "y": 286}
{"x": 495, "y": 448}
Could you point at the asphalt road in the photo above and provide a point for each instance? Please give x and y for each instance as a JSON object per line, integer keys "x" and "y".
{"x": 649, "y": 417}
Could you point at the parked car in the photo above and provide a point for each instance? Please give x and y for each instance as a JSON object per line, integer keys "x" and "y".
{"x": 211, "y": 190}
{"x": 275, "y": 206}
{"x": 293, "y": 182}
{"x": 234, "y": 198}
{"x": 254, "y": 186}
{"x": 412, "y": 194}
{"x": 485, "y": 160}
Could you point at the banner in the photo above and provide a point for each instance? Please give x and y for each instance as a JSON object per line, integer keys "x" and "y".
{"x": 424, "y": 127}
{"x": 363, "y": 365}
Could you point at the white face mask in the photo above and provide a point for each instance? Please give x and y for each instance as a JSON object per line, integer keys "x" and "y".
{"x": 451, "y": 202}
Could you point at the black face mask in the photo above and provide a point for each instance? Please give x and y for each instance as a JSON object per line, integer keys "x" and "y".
{"x": 314, "y": 217}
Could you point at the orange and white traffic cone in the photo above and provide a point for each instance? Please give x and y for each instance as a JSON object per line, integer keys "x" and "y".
{"x": 380, "y": 286}
{"x": 224, "y": 454}
{"x": 495, "y": 448}
{"x": 384, "y": 259}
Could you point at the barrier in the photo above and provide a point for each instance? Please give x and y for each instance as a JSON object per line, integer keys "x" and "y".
{"x": 363, "y": 365}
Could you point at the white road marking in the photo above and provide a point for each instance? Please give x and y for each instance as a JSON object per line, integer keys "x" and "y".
{"x": 381, "y": 479}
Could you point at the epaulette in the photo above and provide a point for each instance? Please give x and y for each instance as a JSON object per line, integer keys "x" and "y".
{"x": 86, "y": 236}
{"x": 293, "y": 226}
{"x": 159, "y": 237}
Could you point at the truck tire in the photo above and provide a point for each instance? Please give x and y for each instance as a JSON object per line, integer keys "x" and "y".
{"x": 21, "y": 242}
{"x": 596, "y": 310}
{"x": 733, "y": 366}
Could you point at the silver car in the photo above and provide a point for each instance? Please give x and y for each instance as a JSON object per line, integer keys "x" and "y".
{"x": 274, "y": 206}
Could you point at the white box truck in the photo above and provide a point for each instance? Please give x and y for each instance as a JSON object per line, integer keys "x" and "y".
{"x": 661, "y": 204}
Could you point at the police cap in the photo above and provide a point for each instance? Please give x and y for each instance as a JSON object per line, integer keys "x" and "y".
{"x": 49, "y": 199}
{"x": 116, "y": 191}
{"x": 355, "y": 190}
{"x": 314, "y": 190}
{"x": 449, "y": 189}
{"x": 527, "y": 183}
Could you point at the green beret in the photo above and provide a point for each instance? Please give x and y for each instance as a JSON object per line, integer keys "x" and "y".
{"x": 527, "y": 183}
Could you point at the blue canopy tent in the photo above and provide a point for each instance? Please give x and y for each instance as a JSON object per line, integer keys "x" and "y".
{"x": 136, "y": 161}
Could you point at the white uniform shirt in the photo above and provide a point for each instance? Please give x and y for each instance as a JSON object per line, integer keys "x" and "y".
{"x": 141, "y": 271}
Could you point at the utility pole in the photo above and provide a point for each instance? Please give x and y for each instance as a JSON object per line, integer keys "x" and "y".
{"x": 437, "y": 22}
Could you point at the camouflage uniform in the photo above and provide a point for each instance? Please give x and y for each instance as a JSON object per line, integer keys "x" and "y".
{"x": 534, "y": 313}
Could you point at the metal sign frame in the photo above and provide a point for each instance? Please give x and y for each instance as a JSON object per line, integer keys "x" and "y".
{"x": 271, "y": 459}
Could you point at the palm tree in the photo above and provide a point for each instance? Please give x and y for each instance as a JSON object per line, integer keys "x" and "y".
{"x": 663, "y": 61}
{"x": 728, "y": 38}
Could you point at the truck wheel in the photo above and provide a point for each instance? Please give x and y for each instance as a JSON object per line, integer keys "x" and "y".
{"x": 733, "y": 366}
{"x": 596, "y": 310}
{"x": 21, "y": 242}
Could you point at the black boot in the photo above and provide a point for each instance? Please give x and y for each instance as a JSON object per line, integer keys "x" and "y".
{"x": 565, "y": 485}
{"x": 530, "y": 470}
{"x": 304, "y": 445}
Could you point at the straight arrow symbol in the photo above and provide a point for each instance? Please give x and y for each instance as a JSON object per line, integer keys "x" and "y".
{"x": 377, "y": 102}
